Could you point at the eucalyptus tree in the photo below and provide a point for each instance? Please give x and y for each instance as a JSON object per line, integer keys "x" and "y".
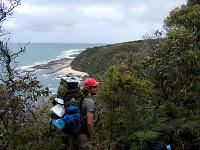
{"x": 17, "y": 91}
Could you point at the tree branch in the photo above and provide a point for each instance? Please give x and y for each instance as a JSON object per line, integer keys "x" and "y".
{"x": 4, "y": 11}
{"x": 22, "y": 49}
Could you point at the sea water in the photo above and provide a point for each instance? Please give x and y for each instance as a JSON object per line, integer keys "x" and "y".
{"x": 41, "y": 53}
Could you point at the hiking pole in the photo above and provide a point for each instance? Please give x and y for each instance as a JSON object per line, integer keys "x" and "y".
{"x": 50, "y": 127}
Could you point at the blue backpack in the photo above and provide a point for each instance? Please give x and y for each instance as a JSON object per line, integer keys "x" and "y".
{"x": 70, "y": 122}
{"x": 72, "y": 118}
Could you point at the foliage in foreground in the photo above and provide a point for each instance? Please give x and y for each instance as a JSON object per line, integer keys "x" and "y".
{"x": 157, "y": 99}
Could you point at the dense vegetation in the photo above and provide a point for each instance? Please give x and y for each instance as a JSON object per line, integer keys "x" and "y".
{"x": 99, "y": 59}
{"x": 152, "y": 98}
{"x": 143, "y": 98}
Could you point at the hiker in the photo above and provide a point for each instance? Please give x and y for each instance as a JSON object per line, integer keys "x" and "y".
{"x": 87, "y": 138}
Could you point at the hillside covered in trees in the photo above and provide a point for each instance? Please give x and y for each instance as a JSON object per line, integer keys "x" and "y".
{"x": 145, "y": 100}
{"x": 99, "y": 59}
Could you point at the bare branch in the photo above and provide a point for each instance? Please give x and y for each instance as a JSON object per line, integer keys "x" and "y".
{"x": 7, "y": 11}
{"x": 22, "y": 49}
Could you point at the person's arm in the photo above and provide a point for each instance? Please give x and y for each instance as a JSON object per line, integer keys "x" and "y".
{"x": 90, "y": 125}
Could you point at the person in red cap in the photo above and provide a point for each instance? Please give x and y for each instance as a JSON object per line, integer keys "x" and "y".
{"x": 88, "y": 134}
{"x": 87, "y": 137}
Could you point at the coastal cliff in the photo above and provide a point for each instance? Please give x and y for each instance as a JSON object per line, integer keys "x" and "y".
{"x": 99, "y": 59}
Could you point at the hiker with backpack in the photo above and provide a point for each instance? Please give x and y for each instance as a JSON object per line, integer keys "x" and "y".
{"x": 74, "y": 112}
{"x": 88, "y": 135}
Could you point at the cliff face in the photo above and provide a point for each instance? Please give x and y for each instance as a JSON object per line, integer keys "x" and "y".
{"x": 99, "y": 59}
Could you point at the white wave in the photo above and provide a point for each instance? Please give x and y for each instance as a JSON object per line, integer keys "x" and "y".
{"x": 69, "y": 53}
{"x": 65, "y": 54}
{"x": 45, "y": 75}
{"x": 30, "y": 67}
{"x": 40, "y": 63}
{"x": 25, "y": 67}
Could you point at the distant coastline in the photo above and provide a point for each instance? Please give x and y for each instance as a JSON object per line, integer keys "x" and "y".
{"x": 60, "y": 66}
{"x": 49, "y": 62}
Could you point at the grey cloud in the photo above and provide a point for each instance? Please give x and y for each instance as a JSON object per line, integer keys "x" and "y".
{"x": 42, "y": 24}
{"x": 154, "y": 11}
{"x": 121, "y": 20}
{"x": 46, "y": 21}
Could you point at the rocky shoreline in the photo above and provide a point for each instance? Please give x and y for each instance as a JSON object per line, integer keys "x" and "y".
{"x": 61, "y": 66}
{"x": 52, "y": 66}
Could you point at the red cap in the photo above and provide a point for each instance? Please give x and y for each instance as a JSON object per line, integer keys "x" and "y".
{"x": 89, "y": 82}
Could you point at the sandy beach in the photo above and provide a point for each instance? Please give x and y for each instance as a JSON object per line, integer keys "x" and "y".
{"x": 69, "y": 70}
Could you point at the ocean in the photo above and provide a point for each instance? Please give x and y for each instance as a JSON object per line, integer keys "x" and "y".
{"x": 41, "y": 53}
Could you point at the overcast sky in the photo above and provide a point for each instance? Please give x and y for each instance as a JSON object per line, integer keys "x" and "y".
{"x": 87, "y": 21}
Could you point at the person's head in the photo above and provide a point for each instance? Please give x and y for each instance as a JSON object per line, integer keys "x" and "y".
{"x": 90, "y": 85}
